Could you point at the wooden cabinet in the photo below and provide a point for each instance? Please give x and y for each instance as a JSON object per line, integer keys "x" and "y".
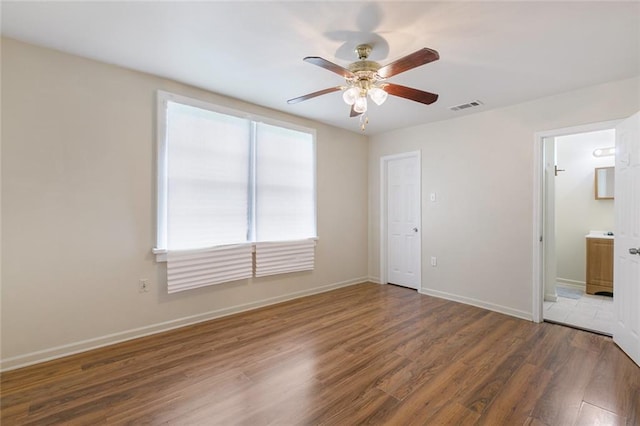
{"x": 599, "y": 265}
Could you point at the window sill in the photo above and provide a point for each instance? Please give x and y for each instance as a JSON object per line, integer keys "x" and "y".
{"x": 161, "y": 254}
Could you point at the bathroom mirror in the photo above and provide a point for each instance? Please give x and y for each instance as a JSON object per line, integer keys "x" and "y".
{"x": 604, "y": 183}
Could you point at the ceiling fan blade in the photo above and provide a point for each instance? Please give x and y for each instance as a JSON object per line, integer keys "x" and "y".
{"x": 353, "y": 112}
{"x": 420, "y": 57}
{"x": 410, "y": 93}
{"x": 313, "y": 95}
{"x": 323, "y": 63}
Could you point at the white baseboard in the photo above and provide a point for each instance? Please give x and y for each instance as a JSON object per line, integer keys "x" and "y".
{"x": 550, "y": 297}
{"x": 580, "y": 285}
{"x": 478, "y": 303}
{"x": 375, "y": 280}
{"x": 110, "y": 339}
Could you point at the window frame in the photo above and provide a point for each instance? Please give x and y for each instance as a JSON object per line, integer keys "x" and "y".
{"x": 162, "y": 98}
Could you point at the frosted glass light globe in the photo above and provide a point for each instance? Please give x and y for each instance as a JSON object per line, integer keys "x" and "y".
{"x": 350, "y": 95}
{"x": 378, "y": 95}
{"x": 360, "y": 105}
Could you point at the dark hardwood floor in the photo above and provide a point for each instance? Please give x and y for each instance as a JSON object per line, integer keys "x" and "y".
{"x": 363, "y": 354}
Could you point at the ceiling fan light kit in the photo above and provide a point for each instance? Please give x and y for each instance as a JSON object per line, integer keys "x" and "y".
{"x": 361, "y": 105}
{"x": 365, "y": 77}
{"x": 350, "y": 95}
{"x": 378, "y": 95}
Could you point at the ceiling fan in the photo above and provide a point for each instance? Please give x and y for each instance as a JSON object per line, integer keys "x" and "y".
{"x": 364, "y": 77}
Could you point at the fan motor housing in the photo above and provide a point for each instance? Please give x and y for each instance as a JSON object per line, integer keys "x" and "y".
{"x": 366, "y": 66}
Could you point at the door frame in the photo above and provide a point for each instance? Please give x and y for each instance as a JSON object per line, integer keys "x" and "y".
{"x": 384, "y": 163}
{"x": 538, "y": 205}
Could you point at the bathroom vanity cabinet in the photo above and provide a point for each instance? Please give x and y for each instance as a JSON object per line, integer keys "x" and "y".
{"x": 599, "y": 265}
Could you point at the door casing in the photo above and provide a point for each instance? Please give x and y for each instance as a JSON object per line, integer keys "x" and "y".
{"x": 383, "y": 211}
{"x": 538, "y": 205}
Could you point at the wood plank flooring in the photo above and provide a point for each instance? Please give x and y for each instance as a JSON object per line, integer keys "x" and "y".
{"x": 365, "y": 354}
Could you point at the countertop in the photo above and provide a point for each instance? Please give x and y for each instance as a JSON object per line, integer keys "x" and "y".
{"x": 599, "y": 234}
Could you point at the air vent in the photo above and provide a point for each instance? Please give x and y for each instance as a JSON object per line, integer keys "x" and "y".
{"x": 471, "y": 104}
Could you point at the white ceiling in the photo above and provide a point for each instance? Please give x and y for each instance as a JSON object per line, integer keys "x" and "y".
{"x": 498, "y": 52}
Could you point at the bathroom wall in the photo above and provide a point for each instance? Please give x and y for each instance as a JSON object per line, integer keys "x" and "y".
{"x": 577, "y": 210}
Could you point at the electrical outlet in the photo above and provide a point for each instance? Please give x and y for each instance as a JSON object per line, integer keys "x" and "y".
{"x": 143, "y": 285}
{"x": 434, "y": 261}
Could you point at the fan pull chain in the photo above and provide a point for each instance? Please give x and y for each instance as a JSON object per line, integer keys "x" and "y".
{"x": 364, "y": 120}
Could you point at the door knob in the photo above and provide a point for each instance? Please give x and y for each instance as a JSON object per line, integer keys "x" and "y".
{"x": 415, "y": 229}
{"x": 634, "y": 251}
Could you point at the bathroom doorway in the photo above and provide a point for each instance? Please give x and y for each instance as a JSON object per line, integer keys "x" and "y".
{"x": 578, "y": 229}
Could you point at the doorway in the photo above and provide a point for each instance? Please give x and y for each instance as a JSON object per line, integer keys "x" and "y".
{"x": 569, "y": 217}
{"x": 580, "y": 293}
{"x": 400, "y": 230}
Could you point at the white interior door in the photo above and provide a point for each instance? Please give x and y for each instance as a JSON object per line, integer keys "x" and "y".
{"x": 403, "y": 221}
{"x": 626, "y": 284}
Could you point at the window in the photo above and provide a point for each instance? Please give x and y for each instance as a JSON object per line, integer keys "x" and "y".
{"x": 207, "y": 178}
{"x": 227, "y": 179}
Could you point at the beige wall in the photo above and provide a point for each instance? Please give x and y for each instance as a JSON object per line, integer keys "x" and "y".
{"x": 481, "y": 167}
{"x": 577, "y": 210}
{"x": 78, "y": 210}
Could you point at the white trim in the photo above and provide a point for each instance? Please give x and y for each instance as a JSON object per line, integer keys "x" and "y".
{"x": 538, "y": 214}
{"x": 383, "y": 210}
{"x": 375, "y": 280}
{"x": 161, "y": 254}
{"x": 161, "y": 171}
{"x": 538, "y": 225}
{"x": 478, "y": 303}
{"x": 110, "y": 339}
{"x": 584, "y": 128}
{"x": 579, "y": 285}
{"x": 550, "y": 297}
{"x": 210, "y": 106}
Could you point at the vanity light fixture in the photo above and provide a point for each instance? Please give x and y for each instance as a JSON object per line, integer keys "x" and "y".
{"x": 604, "y": 152}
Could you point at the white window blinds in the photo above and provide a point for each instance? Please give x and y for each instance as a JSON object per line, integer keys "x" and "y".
{"x": 191, "y": 269}
{"x": 285, "y": 196}
{"x": 226, "y": 184}
{"x": 284, "y": 257}
{"x": 208, "y": 178}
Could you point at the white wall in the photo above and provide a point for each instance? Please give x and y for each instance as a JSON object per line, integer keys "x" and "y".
{"x": 577, "y": 210}
{"x": 78, "y": 204}
{"x": 78, "y": 211}
{"x": 481, "y": 167}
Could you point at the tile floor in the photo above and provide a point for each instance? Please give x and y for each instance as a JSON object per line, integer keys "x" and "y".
{"x": 594, "y": 313}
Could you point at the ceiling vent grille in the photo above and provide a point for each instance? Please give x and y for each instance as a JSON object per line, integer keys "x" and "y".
{"x": 471, "y": 104}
